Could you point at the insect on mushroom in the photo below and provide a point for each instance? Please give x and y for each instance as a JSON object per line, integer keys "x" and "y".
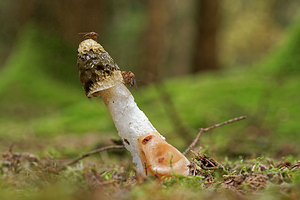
{"x": 89, "y": 35}
{"x": 129, "y": 78}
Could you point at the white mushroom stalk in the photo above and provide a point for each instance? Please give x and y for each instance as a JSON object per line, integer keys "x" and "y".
{"x": 101, "y": 76}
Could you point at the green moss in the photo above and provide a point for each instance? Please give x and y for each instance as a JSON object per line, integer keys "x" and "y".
{"x": 285, "y": 60}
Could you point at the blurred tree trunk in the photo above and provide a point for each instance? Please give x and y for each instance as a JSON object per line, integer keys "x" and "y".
{"x": 154, "y": 41}
{"x": 69, "y": 17}
{"x": 153, "y": 60}
{"x": 206, "y": 55}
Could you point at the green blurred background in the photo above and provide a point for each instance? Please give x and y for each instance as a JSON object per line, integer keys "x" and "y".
{"x": 197, "y": 63}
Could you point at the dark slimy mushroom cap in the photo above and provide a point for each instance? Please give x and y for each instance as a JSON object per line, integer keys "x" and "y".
{"x": 97, "y": 70}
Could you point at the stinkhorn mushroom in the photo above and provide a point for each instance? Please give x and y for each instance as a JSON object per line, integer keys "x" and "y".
{"x": 101, "y": 76}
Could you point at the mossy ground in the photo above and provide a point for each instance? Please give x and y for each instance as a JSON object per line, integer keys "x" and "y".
{"x": 25, "y": 176}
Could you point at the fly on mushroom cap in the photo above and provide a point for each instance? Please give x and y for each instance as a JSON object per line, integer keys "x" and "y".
{"x": 97, "y": 70}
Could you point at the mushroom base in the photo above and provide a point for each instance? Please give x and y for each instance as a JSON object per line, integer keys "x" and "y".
{"x": 155, "y": 156}
{"x": 160, "y": 158}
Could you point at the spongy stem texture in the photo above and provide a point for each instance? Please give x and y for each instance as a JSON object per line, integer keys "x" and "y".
{"x": 129, "y": 120}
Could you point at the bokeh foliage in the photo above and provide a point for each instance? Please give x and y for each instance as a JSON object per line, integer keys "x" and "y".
{"x": 41, "y": 101}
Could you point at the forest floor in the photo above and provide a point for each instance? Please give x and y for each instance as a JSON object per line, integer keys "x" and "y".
{"x": 110, "y": 174}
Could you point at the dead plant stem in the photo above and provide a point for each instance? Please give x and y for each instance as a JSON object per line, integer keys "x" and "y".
{"x": 203, "y": 130}
{"x": 94, "y": 152}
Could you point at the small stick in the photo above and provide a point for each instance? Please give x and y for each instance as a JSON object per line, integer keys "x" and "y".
{"x": 233, "y": 175}
{"x": 10, "y": 149}
{"x": 203, "y": 130}
{"x": 225, "y": 123}
{"x": 94, "y": 152}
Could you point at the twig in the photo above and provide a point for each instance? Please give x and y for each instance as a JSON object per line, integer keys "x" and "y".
{"x": 94, "y": 152}
{"x": 234, "y": 176}
{"x": 10, "y": 149}
{"x": 203, "y": 130}
{"x": 224, "y": 123}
